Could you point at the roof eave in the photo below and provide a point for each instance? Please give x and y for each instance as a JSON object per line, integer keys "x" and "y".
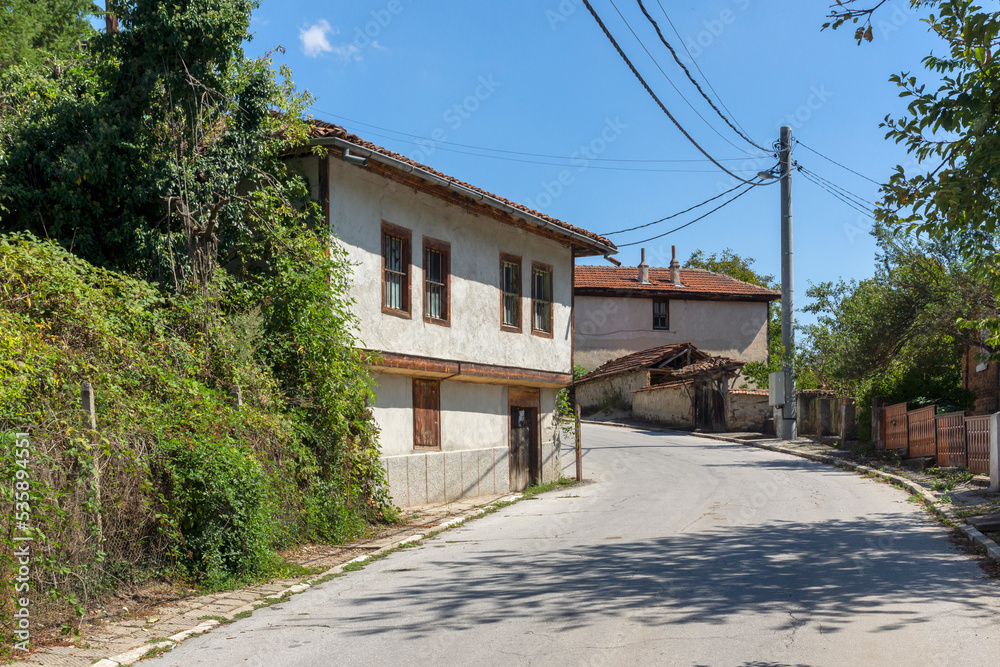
{"x": 584, "y": 245}
{"x": 673, "y": 293}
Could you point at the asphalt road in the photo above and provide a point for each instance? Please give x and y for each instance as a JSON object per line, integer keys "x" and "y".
{"x": 683, "y": 551}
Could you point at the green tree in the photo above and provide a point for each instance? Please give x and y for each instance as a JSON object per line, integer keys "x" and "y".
{"x": 34, "y": 30}
{"x": 952, "y": 129}
{"x": 898, "y": 335}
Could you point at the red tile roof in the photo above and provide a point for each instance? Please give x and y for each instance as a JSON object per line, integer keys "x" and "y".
{"x": 597, "y": 280}
{"x": 323, "y": 129}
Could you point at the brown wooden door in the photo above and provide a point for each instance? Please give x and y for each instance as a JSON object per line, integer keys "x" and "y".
{"x": 520, "y": 448}
{"x": 427, "y": 414}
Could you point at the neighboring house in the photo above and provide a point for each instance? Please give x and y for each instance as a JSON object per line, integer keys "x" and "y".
{"x": 611, "y": 386}
{"x": 982, "y": 379}
{"x": 621, "y": 310}
{"x": 464, "y": 308}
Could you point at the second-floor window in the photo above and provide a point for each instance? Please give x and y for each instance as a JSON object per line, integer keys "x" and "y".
{"x": 661, "y": 314}
{"x": 395, "y": 269}
{"x": 510, "y": 288}
{"x": 541, "y": 299}
{"x": 437, "y": 256}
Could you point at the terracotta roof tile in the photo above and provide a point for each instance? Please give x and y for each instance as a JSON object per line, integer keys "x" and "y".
{"x": 694, "y": 282}
{"x": 323, "y": 129}
{"x": 639, "y": 360}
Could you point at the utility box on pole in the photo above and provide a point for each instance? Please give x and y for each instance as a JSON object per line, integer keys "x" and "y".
{"x": 776, "y": 388}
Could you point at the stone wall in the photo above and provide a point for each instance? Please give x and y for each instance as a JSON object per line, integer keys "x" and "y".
{"x": 669, "y": 405}
{"x": 590, "y": 395}
{"x": 747, "y": 410}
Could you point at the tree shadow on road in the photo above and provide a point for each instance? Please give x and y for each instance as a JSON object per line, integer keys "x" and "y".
{"x": 830, "y": 573}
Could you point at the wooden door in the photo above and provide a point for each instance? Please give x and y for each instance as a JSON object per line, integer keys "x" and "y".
{"x": 520, "y": 447}
{"x": 709, "y": 407}
{"x": 426, "y": 414}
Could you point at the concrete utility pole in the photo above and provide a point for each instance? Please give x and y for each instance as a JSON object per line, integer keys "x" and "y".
{"x": 787, "y": 429}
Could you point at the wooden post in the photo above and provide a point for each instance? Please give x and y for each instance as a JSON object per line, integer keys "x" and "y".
{"x": 579, "y": 451}
{"x": 87, "y": 402}
{"x": 995, "y": 452}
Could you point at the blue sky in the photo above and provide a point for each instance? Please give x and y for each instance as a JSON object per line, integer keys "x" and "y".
{"x": 540, "y": 78}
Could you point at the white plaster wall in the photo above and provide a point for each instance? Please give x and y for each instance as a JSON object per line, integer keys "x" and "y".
{"x": 670, "y": 406}
{"x": 473, "y": 416}
{"x": 611, "y": 327}
{"x": 393, "y": 412}
{"x": 590, "y": 394}
{"x": 360, "y": 201}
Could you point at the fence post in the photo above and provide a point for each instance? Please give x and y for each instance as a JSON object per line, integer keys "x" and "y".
{"x": 87, "y": 403}
{"x": 236, "y": 397}
{"x": 995, "y": 452}
{"x": 579, "y": 451}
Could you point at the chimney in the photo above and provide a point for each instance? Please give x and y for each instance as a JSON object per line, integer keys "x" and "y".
{"x": 644, "y": 269}
{"x": 675, "y": 269}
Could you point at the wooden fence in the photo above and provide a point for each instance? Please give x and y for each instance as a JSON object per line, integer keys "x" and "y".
{"x": 921, "y": 431}
{"x": 951, "y": 439}
{"x": 894, "y": 426}
{"x": 977, "y": 438}
{"x": 954, "y": 438}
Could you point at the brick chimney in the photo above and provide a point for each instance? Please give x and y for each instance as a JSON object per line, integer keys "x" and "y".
{"x": 675, "y": 269}
{"x": 643, "y": 269}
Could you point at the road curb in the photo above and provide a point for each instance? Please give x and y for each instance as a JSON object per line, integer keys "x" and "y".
{"x": 134, "y": 655}
{"x": 931, "y": 500}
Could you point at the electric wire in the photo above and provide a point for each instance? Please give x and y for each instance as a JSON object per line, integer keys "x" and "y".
{"x": 847, "y": 193}
{"x": 509, "y": 152}
{"x": 697, "y": 85}
{"x": 670, "y": 81}
{"x": 694, "y": 61}
{"x": 688, "y": 224}
{"x": 652, "y": 94}
{"x": 842, "y": 166}
{"x": 838, "y": 196}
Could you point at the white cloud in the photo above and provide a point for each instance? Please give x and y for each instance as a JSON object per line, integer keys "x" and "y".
{"x": 315, "y": 42}
{"x": 313, "y": 38}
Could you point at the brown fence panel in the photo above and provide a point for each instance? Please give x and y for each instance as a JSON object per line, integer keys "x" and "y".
{"x": 923, "y": 438}
{"x": 894, "y": 426}
{"x": 951, "y": 439}
{"x": 977, "y": 433}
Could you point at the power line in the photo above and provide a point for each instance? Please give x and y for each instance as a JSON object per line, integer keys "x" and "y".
{"x": 842, "y": 166}
{"x": 679, "y": 213}
{"x": 694, "y": 61}
{"x": 847, "y": 193}
{"x": 670, "y": 81}
{"x": 649, "y": 90}
{"x": 837, "y": 195}
{"x": 688, "y": 224}
{"x": 522, "y": 153}
{"x": 697, "y": 85}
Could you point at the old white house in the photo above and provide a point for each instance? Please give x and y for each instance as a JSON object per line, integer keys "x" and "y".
{"x": 628, "y": 309}
{"x": 465, "y": 305}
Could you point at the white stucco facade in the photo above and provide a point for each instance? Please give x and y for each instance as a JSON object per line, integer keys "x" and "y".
{"x": 609, "y": 327}
{"x": 483, "y": 370}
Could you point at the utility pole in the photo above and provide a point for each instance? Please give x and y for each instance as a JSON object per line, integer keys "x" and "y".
{"x": 787, "y": 429}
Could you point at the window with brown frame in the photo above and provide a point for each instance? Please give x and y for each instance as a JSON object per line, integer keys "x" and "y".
{"x": 426, "y": 414}
{"x": 661, "y": 314}
{"x": 541, "y": 299}
{"x": 510, "y": 292}
{"x": 437, "y": 278}
{"x": 395, "y": 270}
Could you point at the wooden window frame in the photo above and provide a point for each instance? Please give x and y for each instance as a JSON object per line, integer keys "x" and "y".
{"x": 389, "y": 229}
{"x": 444, "y": 248}
{"x": 513, "y": 259}
{"x": 665, "y": 302}
{"x": 437, "y": 446}
{"x": 538, "y": 266}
